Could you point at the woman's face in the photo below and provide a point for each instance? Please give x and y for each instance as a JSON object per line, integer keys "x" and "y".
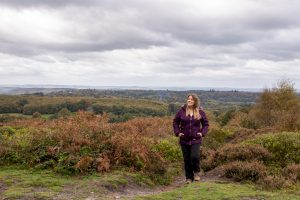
{"x": 190, "y": 101}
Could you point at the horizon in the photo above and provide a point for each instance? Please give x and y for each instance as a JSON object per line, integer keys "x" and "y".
{"x": 170, "y": 88}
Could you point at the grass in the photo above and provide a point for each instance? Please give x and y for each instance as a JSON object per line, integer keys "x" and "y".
{"x": 40, "y": 184}
{"x": 222, "y": 191}
{"x": 45, "y": 184}
{"x": 30, "y": 184}
{"x": 46, "y": 116}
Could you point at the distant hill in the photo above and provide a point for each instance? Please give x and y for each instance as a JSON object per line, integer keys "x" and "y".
{"x": 29, "y": 89}
{"x": 20, "y": 90}
{"x": 212, "y": 99}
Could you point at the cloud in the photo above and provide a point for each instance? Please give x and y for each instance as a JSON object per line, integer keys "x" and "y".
{"x": 148, "y": 43}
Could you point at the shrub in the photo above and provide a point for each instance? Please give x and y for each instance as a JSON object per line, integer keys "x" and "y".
{"x": 242, "y": 152}
{"x": 4, "y": 118}
{"x": 274, "y": 102}
{"x": 239, "y": 171}
{"x": 278, "y": 107}
{"x": 86, "y": 142}
{"x": 36, "y": 115}
{"x": 273, "y": 182}
{"x": 233, "y": 152}
{"x": 63, "y": 113}
{"x": 7, "y": 130}
{"x": 216, "y": 138}
{"x": 224, "y": 118}
{"x": 208, "y": 159}
{"x": 249, "y": 121}
{"x": 84, "y": 163}
{"x": 292, "y": 172}
{"x": 242, "y": 134}
{"x": 170, "y": 151}
{"x": 283, "y": 146}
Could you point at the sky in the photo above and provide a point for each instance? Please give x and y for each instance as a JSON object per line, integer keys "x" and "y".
{"x": 170, "y": 43}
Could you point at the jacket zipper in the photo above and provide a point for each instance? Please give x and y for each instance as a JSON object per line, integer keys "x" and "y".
{"x": 190, "y": 130}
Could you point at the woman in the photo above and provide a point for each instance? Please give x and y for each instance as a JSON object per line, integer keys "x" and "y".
{"x": 190, "y": 125}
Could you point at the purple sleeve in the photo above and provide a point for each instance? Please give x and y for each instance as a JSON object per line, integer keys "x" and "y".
{"x": 204, "y": 123}
{"x": 176, "y": 123}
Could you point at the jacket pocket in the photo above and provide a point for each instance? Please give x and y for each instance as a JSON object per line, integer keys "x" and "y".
{"x": 184, "y": 137}
{"x": 195, "y": 135}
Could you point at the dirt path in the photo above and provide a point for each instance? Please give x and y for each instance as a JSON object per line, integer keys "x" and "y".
{"x": 95, "y": 190}
{"x": 131, "y": 192}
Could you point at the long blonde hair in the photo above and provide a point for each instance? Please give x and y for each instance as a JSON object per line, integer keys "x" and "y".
{"x": 196, "y": 106}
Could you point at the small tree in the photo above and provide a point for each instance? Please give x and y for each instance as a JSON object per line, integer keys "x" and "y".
{"x": 279, "y": 106}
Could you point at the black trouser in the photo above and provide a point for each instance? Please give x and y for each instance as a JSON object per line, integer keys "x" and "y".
{"x": 191, "y": 156}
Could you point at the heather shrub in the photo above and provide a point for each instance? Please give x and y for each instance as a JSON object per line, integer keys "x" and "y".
{"x": 216, "y": 138}
{"x": 239, "y": 170}
{"x": 242, "y": 152}
{"x": 292, "y": 172}
{"x": 233, "y": 152}
{"x": 273, "y": 182}
{"x": 284, "y": 147}
{"x": 208, "y": 159}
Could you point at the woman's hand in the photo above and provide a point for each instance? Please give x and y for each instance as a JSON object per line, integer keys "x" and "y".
{"x": 200, "y": 134}
{"x": 180, "y": 134}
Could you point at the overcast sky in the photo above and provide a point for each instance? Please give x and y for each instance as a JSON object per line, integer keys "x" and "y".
{"x": 192, "y": 43}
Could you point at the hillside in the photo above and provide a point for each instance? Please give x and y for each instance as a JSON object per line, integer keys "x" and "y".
{"x": 254, "y": 150}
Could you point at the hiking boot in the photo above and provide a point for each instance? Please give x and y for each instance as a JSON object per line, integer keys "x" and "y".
{"x": 197, "y": 176}
{"x": 188, "y": 181}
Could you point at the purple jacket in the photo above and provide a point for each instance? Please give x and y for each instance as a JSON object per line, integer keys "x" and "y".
{"x": 190, "y": 126}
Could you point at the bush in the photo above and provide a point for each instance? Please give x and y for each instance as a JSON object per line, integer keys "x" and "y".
{"x": 63, "y": 113}
{"x": 4, "y": 118}
{"x": 278, "y": 107}
{"x": 170, "y": 151}
{"x": 216, "y": 138}
{"x": 275, "y": 103}
{"x": 7, "y": 130}
{"x": 86, "y": 142}
{"x": 36, "y": 115}
{"x": 208, "y": 159}
{"x": 242, "y": 152}
{"x": 292, "y": 172}
{"x": 233, "y": 152}
{"x": 242, "y": 134}
{"x": 239, "y": 171}
{"x": 224, "y": 118}
{"x": 283, "y": 146}
{"x": 273, "y": 182}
